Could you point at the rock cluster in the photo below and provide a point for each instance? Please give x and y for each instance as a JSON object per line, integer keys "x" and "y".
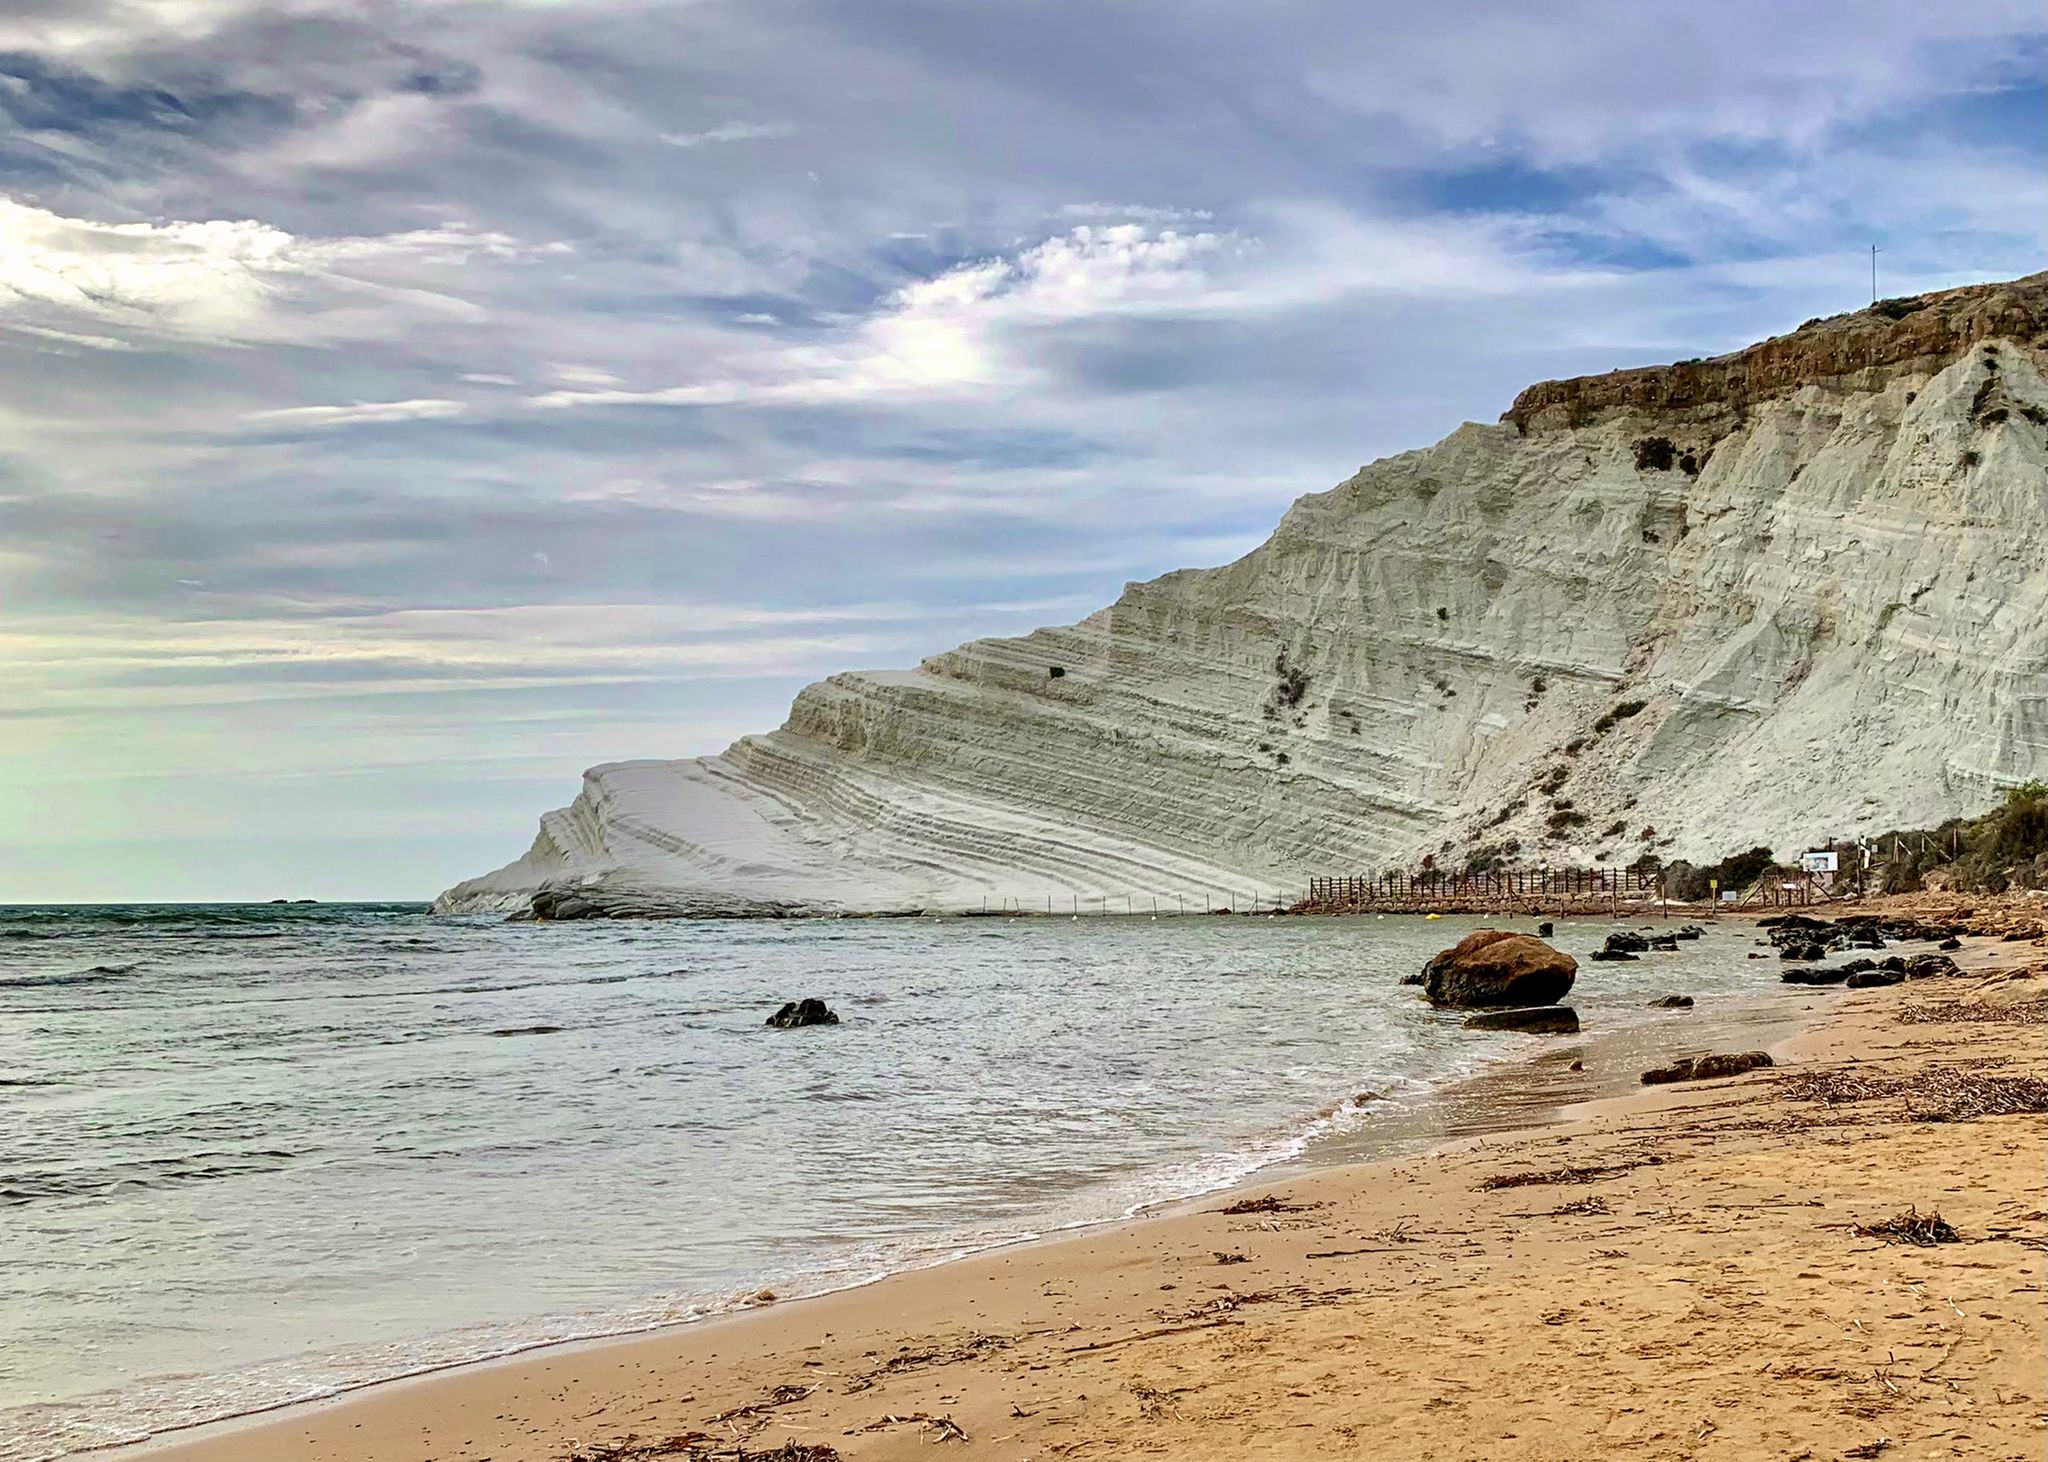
{"x": 801, "y": 1013}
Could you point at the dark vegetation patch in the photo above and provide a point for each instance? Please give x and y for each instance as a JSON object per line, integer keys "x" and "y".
{"x": 1616, "y": 713}
{"x": 1898, "y": 309}
{"x": 1655, "y": 454}
{"x": 1691, "y": 883}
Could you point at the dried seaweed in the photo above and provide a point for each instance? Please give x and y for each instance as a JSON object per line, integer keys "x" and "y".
{"x": 1912, "y": 1227}
{"x": 699, "y": 1447}
{"x": 777, "y": 1396}
{"x": 1591, "y": 1174}
{"x": 1267, "y": 1204}
{"x": 1941, "y": 1094}
{"x": 929, "y": 1428}
{"x": 972, "y": 1348}
{"x": 1957, "y": 1012}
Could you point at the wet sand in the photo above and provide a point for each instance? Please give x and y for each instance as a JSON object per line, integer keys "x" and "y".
{"x": 1668, "y": 1272}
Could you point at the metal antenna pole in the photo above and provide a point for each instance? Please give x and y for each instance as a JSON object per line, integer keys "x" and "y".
{"x": 1873, "y": 273}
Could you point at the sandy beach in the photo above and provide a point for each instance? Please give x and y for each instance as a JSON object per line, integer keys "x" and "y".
{"x": 1714, "y": 1269}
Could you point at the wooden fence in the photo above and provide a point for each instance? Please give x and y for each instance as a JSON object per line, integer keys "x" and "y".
{"x": 1530, "y": 888}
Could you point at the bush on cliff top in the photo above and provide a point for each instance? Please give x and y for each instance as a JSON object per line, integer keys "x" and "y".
{"x": 2006, "y": 848}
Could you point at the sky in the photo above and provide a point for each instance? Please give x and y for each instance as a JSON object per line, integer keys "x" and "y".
{"x": 405, "y": 406}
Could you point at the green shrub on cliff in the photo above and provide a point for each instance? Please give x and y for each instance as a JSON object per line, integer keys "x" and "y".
{"x": 2006, "y": 848}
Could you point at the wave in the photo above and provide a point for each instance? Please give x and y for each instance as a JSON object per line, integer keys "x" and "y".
{"x": 98, "y": 974}
{"x": 19, "y": 1189}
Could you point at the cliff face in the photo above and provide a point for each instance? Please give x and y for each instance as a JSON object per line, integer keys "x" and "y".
{"x": 1797, "y": 591}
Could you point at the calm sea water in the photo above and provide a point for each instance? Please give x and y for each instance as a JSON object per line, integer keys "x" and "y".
{"x": 254, "y": 1154}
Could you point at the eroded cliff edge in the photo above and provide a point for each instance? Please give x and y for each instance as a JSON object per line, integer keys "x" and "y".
{"x": 1794, "y": 591}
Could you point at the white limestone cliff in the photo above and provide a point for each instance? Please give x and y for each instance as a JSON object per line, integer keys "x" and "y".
{"x": 1831, "y": 605}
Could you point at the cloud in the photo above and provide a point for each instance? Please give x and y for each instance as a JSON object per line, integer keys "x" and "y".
{"x": 730, "y": 132}
{"x": 359, "y": 413}
{"x": 219, "y": 280}
{"x": 72, "y": 337}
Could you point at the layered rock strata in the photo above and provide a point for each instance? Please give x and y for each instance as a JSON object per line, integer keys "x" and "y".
{"x": 1794, "y": 592}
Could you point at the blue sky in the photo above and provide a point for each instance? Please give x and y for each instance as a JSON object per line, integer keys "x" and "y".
{"x": 406, "y": 407}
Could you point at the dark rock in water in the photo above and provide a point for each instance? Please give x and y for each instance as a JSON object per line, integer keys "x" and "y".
{"x": 1895, "y": 962}
{"x": 1495, "y": 967}
{"x": 1672, "y": 1002}
{"x": 560, "y": 903}
{"x": 1627, "y": 943}
{"x": 1543, "y": 930}
{"x": 1950, "y": 943}
{"x": 1707, "y": 1068}
{"x": 1803, "y": 951}
{"x": 1612, "y": 954}
{"x": 802, "y": 1012}
{"x": 1793, "y": 921}
{"x": 1665, "y": 944}
{"x": 1869, "y": 979}
{"x": 527, "y": 1030}
{"x": 1688, "y": 931}
{"x": 1557, "y": 1020}
{"x": 1927, "y": 966}
{"x": 1821, "y": 976}
{"x": 1754, "y": 955}
{"x": 1412, "y": 979}
{"x": 1856, "y": 966}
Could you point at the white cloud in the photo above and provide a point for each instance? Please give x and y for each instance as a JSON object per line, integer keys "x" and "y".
{"x": 730, "y": 132}
{"x": 359, "y": 412}
{"x": 73, "y": 337}
{"x": 951, "y": 332}
{"x": 221, "y": 280}
{"x": 583, "y": 375}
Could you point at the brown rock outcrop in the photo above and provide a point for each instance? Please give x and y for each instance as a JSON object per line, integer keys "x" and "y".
{"x": 1921, "y": 333}
{"x": 1494, "y": 967}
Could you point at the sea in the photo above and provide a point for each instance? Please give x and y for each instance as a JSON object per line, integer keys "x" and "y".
{"x": 255, "y": 1154}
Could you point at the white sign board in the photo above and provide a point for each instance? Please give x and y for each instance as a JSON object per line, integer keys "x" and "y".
{"x": 1729, "y": 895}
{"x": 1817, "y": 862}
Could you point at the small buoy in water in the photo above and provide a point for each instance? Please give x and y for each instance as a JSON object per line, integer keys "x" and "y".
{"x": 1432, "y": 916}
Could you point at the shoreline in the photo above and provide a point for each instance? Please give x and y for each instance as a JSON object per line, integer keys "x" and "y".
{"x": 514, "y": 1379}
{"x": 1512, "y": 1091}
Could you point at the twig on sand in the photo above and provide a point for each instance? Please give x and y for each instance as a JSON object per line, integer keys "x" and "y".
{"x": 930, "y": 1428}
{"x": 754, "y": 1410}
{"x": 1151, "y": 1335}
{"x": 700, "y": 1447}
{"x": 1270, "y": 1203}
{"x": 1589, "y": 1174}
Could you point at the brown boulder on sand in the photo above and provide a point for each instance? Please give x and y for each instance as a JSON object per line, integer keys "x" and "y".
{"x": 1496, "y": 967}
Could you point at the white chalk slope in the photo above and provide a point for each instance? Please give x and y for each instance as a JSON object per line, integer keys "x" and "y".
{"x": 1839, "y": 624}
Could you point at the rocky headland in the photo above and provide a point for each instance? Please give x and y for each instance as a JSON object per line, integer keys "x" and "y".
{"x": 1793, "y": 592}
